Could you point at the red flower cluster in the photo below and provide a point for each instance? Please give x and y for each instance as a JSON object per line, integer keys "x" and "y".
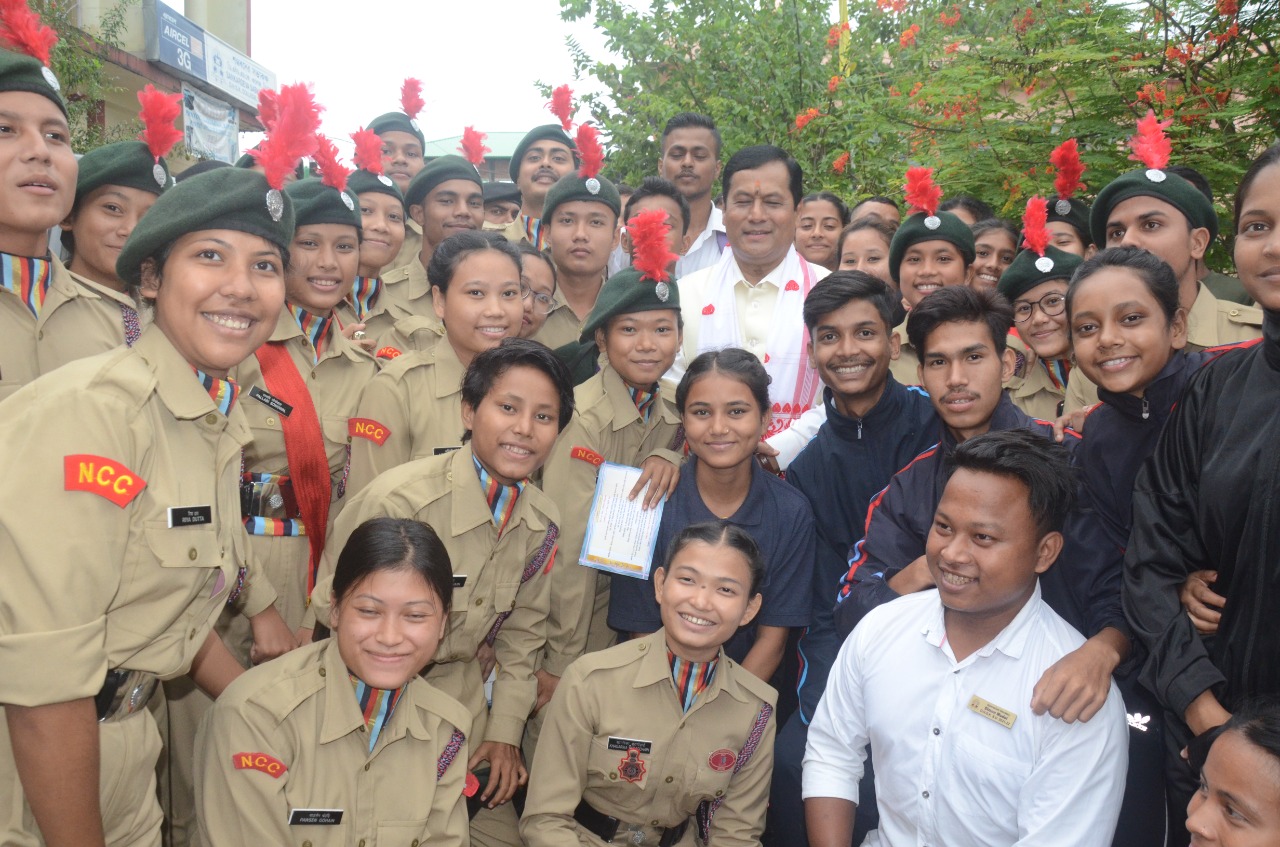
{"x": 1228, "y": 8}
{"x": 953, "y": 47}
{"x": 1022, "y": 24}
{"x": 833, "y": 84}
{"x": 1183, "y": 54}
{"x": 1152, "y": 94}
{"x": 895, "y": 6}
{"x": 1221, "y": 38}
{"x": 833, "y": 35}
{"x": 908, "y": 37}
{"x": 841, "y": 162}
{"x": 951, "y": 19}
{"x": 803, "y": 120}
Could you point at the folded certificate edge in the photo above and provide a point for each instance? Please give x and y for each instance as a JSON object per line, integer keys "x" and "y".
{"x": 601, "y": 563}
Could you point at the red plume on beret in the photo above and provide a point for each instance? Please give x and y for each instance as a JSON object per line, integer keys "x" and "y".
{"x": 1066, "y": 161}
{"x": 292, "y": 133}
{"x": 472, "y": 146}
{"x": 649, "y": 251}
{"x": 561, "y": 106}
{"x": 332, "y": 172}
{"x": 368, "y": 155}
{"x": 590, "y": 151}
{"x": 1035, "y": 225}
{"x": 21, "y": 30}
{"x": 922, "y": 193}
{"x": 1150, "y": 145}
{"x": 158, "y": 113}
{"x": 411, "y": 97}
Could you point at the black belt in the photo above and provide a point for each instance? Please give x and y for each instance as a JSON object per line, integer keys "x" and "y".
{"x": 124, "y": 693}
{"x": 607, "y": 828}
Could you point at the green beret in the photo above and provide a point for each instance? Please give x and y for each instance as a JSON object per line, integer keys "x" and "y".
{"x": 546, "y": 132}
{"x": 20, "y": 72}
{"x": 1152, "y": 183}
{"x": 364, "y": 182}
{"x": 397, "y": 122}
{"x": 626, "y": 293}
{"x": 200, "y": 168}
{"x": 1029, "y": 270}
{"x": 1076, "y": 213}
{"x": 501, "y": 192}
{"x": 437, "y": 171}
{"x": 916, "y": 229}
{"x": 227, "y": 198}
{"x": 317, "y": 203}
{"x": 574, "y": 187}
{"x": 126, "y": 163}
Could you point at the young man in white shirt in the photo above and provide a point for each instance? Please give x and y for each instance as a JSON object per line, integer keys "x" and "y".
{"x": 940, "y": 683}
{"x": 691, "y": 160}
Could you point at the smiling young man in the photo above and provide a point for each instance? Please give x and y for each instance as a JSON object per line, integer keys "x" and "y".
{"x": 543, "y": 157}
{"x": 690, "y": 160}
{"x": 1170, "y": 218}
{"x": 402, "y": 159}
{"x": 874, "y": 427}
{"x": 939, "y": 683}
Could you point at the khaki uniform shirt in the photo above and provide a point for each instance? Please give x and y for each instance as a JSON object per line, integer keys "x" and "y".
{"x": 95, "y": 577}
{"x": 562, "y": 326}
{"x": 335, "y": 383}
{"x": 514, "y": 231}
{"x": 414, "y": 406}
{"x": 905, "y": 368}
{"x": 289, "y": 736}
{"x": 82, "y": 320}
{"x": 412, "y": 245}
{"x": 19, "y": 362}
{"x": 1211, "y": 323}
{"x": 405, "y": 293}
{"x": 1030, "y": 387}
{"x": 606, "y": 427}
{"x": 624, "y": 694}
{"x": 1227, "y": 288}
{"x": 444, "y": 491}
{"x": 416, "y": 332}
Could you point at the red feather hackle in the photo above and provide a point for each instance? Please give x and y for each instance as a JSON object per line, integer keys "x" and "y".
{"x": 292, "y": 134}
{"x": 268, "y": 107}
{"x": 561, "y": 105}
{"x": 411, "y": 97}
{"x": 332, "y": 172}
{"x": 1150, "y": 145}
{"x": 1065, "y": 159}
{"x": 922, "y": 194}
{"x": 589, "y": 151}
{"x": 650, "y": 253}
{"x": 368, "y": 154}
{"x": 472, "y": 146}
{"x": 22, "y": 30}
{"x": 158, "y": 113}
{"x": 1035, "y": 225}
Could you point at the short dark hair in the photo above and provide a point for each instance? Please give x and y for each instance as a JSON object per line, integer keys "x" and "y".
{"x": 731, "y": 361}
{"x": 841, "y": 287}
{"x": 988, "y": 224}
{"x": 750, "y": 158}
{"x": 487, "y": 367}
{"x": 842, "y": 208}
{"x": 1194, "y": 177}
{"x": 389, "y": 544}
{"x": 980, "y": 211}
{"x": 721, "y": 534}
{"x": 1258, "y": 721}
{"x": 875, "y": 198}
{"x": 524, "y": 248}
{"x": 1039, "y": 463}
{"x": 1268, "y": 157}
{"x": 1148, "y": 267}
{"x": 624, "y": 189}
{"x": 960, "y": 304}
{"x": 450, "y": 253}
{"x": 656, "y": 186}
{"x": 872, "y": 222}
{"x": 691, "y": 120}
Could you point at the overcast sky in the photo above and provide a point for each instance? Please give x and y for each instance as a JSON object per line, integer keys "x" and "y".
{"x": 477, "y": 60}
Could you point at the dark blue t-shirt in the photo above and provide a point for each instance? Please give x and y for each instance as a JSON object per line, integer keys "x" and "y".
{"x": 780, "y": 520}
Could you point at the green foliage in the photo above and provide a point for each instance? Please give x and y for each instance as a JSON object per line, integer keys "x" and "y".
{"x": 79, "y": 67}
{"x": 980, "y": 90}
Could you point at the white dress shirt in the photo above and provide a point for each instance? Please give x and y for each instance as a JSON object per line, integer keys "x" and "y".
{"x": 945, "y": 775}
{"x": 705, "y": 249}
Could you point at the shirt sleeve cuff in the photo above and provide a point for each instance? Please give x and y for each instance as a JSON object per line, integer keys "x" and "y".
{"x": 557, "y": 663}
{"x": 504, "y": 729}
{"x": 259, "y": 594}
{"x": 81, "y": 660}
{"x": 822, "y": 780}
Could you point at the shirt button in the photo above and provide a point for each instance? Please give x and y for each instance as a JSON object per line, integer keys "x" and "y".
{"x": 361, "y": 844}
{"x": 513, "y": 605}
{"x": 670, "y": 779}
{"x": 719, "y": 792}
{"x": 366, "y": 767}
{"x": 413, "y": 843}
{"x": 192, "y": 554}
{"x": 271, "y": 421}
{"x": 479, "y": 601}
{"x": 937, "y": 731}
{"x": 211, "y": 419}
{"x": 653, "y": 823}
{"x": 306, "y": 844}
{"x": 362, "y": 729}
{"x": 322, "y": 671}
{"x": 191, "y": 635}
{"x": 1235, "y": 313}
{"x": 644, "y": 647}
{"x": 613, "y": 776}
{"x": 925, "y": 794}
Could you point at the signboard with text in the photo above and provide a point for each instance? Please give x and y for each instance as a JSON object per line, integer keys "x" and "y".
{"x": 199, "y": 56}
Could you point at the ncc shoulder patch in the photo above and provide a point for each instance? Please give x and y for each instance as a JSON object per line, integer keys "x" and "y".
{"x": 269, "y": 765}
{"x": 586, "y": 454}
{"x": 369, "y": 429}
{"x": 102, "y": 476}
{"x": 388, "y": 353}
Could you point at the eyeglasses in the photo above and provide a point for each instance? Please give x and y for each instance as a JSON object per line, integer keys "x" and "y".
{"x": 542, "y": 303}
{"x": 1052, "y": 304}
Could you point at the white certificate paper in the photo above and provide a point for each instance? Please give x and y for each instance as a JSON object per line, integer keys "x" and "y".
{"x": 620, "y": 535}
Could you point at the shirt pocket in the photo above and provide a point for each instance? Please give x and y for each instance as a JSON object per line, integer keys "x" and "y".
{"x": 615, "y": 768}
{"x": 336, "y": 439}
{"x": 991, "y": 780}
{"x": 402, "y": 833}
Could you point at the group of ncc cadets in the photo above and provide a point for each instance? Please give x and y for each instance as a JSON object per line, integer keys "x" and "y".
{"x": 970, "y": 529}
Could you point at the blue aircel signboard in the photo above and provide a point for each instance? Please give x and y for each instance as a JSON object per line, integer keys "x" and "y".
{"x": 181, "y": 43}
{"x": 201, "y": 57}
